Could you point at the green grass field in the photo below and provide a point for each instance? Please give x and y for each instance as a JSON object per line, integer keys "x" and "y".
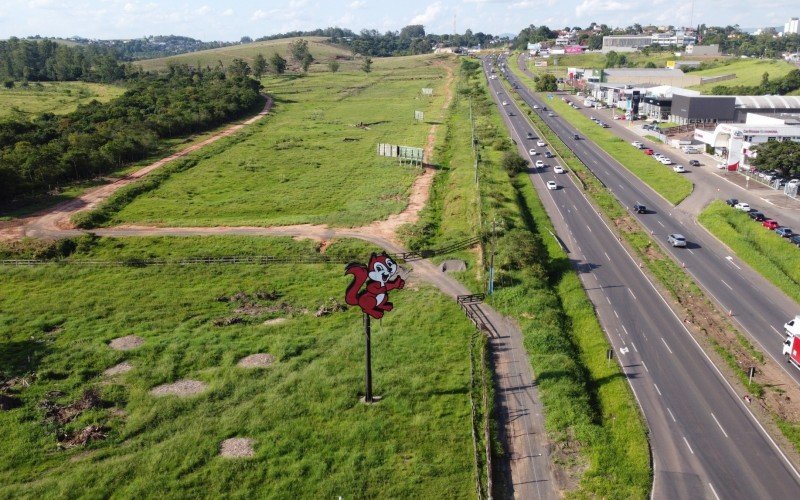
{"x": 312, "y": 436}
{"x": 309, "y": 162}
{"x": 747, "y": 71}
{"x": 322, "y": 52}
{"x": 52, "y": 97}
{"x": 763, "y": 250}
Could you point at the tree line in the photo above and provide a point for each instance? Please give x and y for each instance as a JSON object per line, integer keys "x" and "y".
{"x": 97, "y": 138}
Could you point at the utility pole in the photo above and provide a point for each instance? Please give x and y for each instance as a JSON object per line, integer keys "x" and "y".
{"x": 491, "y": 260}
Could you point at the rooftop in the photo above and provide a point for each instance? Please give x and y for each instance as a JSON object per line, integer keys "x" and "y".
{"x": 768, "y": 101}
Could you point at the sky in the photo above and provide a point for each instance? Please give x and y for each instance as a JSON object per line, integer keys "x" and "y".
{"x": 230, "y": 20}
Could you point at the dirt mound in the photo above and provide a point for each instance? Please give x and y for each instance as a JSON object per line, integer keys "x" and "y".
{"x": 119, "y": 369}
{"x": 126, "y": 343}
{"x": 237, "y": 448}
{"x": 330, "y": 306}
{"x": 259, "y": 360}
{"x": 63, "y": 414}
{"x": 275, "y": 321}
{"x": 181, "y": 388}
{"x": 82, "y": 437}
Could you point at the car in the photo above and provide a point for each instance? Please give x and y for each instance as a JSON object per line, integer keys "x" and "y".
{"x": 658, "y": 156}
{"x": 530, "y": 135}
{"x": 551, "y": 114}
{"x": 535, "y": 106}
{"x": 533, "y": 152}
{"x": 784, "y": 232}
{"x": 756, "y": 216}
{"x": 665, "y": 161}
{"x": 676, "y": 240}
{"x": 744, "y": 207}
{"x": 793, "y": 182}
{"x": 576, "y": 137}
{"x": 770, "y": 224}
{"x": 639, "y": 208}
{"x": 552, "y": 185}
{"x": 694, "y": 163}
{"x": 731, "y": 201}
{"x": 637, "y": 144}
{"x": 605, "y": 125}
{"x": 722, "y": 166}
{"x": 510, "y": 113}
{"x": 541, "y": 144}
{"x": 648, "y": 151}
{"x": 539, "y": 164}
{"x": 548, "y": 154}
{"x": 795, "y": 239}
{"x": 679, "y": 169}
{"x": 505, "y": 103}
{"x": 558, "y": 169}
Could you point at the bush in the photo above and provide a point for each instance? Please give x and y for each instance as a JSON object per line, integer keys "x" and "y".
{"x": 513, "y": 163}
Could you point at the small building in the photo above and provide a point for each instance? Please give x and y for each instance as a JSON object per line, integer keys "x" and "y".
{"x": 702, "y": 50}
{"x": 626, "y": 43}
{"x": 687, "y": 109}
{"x": 657, "y": 101}
{"x": 653, "y": 76}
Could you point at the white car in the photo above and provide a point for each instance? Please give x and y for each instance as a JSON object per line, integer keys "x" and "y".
{"x": 505, "y": 103}
{"x": 552, "y": 185}
{"x": 533, "y": 152}
{"x": 558, "y": 169}
{"x": 679, "y": 169}
{"x": 535, "y": 106}
{"x": 541, "y": 144}
{"x": 637, "y": 145}
{"x": 666, "y": 161}
{"x": 539, "y": 164}
{"x": 658, "y": 156}
{"x": 721, "y": 166}
{"x": 744, "y": 207}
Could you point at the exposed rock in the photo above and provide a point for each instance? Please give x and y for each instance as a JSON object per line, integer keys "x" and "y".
{"x": 259, "y": 360}
{"x": 126, "y": 343}
{"x": 181, "y": 388}
{"x": 237, "y": 448}
{"x": 119, "y": 369}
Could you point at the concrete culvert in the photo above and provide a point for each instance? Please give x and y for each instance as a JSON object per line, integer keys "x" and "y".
{"x": 453, "y": 265}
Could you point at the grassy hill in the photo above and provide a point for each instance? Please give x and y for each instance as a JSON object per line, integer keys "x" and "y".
{"x": 53, "y": 97}
{"x": 747, "y": 71}
{"x": 320, "y": 49}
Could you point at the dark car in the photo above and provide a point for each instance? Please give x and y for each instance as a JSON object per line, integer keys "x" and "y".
{"x": 605, "y": 125}
{"x": 639, "y": 208}
{"x": 694, "y": 163}
{"x": 756, "y": 216}
{"x": 784, "y": 231}
{"x": 576, "y": 137}
{"x": 731, "y": 201}
{"x": 795, "y": 239}
{"x": 548, "y": 154}
{"x": 530, "y": 135}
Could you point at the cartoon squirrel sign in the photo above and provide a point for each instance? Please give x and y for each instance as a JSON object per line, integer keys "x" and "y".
{"x": 380, "y": 277}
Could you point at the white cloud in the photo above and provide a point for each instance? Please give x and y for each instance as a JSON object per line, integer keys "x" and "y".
{"x": 294, "y": 4}
{"x": 589, "y": 7}
{"x": 227, "y": 12}
{"x": 358, "y": 4}
{"x": 429, "y": 15}
{"x": 203, "y": 10}
{"x": 259, "y": 14}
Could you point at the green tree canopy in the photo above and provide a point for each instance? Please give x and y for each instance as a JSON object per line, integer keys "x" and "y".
{"x": 259, "y": 65}
{"x": 547, "y": 83}
{"x": 366, "y": 66}
{"x": 278, "y": 63}
{"x": 783, "y": 156}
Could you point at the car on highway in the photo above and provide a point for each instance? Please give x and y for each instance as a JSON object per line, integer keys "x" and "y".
{"x": 530, "y": 135}
{"x": 665, "y": 161}
{"x": 676, "y": 240}
{"x": 576, "y": 137}
{"x": 541, "y": 144}
{"x": 637, "y": 144}
{"x": 539, "y": 164}
{"x": 795, "y": 239}
{"x": 771, "y": 224}
{"x": 744, "y": 207}
{"x": 731, "y": 201}
{"x": 533, "y": 152}
{"x": 757, "y": 216}
{"x": 548, "y": 154}
{"x": 694, "y": 163}
{"x": 648, "y": 151}
{"x": 658, "y": 156}
{"x": 510, "y": 113}
{"x": 551, "y": 114}
{"x": 722, "y": 166}
{"x": 605, "y": 125}
{"x": 551, "y": 185}
{"x": 784, "y": 231}
{"x": 558, "y": 169}
{"x": 505, "y": 103}
{"x": 639, "y": 208}
{"x": 535, "y": 106}
{"x": 679, "y": 169}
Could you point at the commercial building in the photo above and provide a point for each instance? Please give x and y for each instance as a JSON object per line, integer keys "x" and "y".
{"x": 792, "y": 27}
{"x": 626, "y": 43}
{"x": 702, "y": 50}
{"x": 653, "y": 76}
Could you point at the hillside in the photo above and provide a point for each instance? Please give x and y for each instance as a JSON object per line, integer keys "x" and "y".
{"x": 747, "y": 71}
{"x": 322, "y": 52}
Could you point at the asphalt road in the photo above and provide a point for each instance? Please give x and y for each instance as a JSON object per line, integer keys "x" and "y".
{"x": 758, "y": 307}
{"x": 705, "y": 441}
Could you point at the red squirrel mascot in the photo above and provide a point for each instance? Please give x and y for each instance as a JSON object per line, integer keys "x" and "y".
{"x": 379, "y": 276}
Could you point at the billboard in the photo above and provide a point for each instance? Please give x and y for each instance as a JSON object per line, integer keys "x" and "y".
{"x": 419, "y": 115}
{"x": 427, "y": 91}
{"x": 671, "y": 64}
{"x": 540, "y": 64}
{"x": 573, "y": 49}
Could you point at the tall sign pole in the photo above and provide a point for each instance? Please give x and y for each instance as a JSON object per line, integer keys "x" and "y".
{"x": 379, "y": 276}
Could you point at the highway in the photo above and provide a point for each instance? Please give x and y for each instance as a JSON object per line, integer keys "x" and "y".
{"x": 705, "y": 441}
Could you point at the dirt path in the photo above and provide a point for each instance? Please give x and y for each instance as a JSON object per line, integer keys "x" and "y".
{"x": 50, "y": 222}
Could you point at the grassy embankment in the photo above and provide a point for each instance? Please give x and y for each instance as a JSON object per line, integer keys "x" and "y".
{"x": 538, "y": 287}
{"x": 58, "y": 98}
{"x": 747, "y": 71}
{"x": 317, "y": 45}
{"x": 734, "y": 348}
{"x": 309, "y": 161}
{"x": 312, "y": 436}
{"x": 763, "y": 250}
{"x": 662, "y": 179}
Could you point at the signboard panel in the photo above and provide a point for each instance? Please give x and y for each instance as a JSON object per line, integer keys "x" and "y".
{"x": 427, "y": 91}
{"x": 419, "y": 115}
{"x": 540, "y": 64}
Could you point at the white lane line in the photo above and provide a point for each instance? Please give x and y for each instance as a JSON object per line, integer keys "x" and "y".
{"x": 634, "y": 295}
{"x": 626, "y": 330}
{"x": 634, "y": 346}
{"x": 590, "y": 229}
{"x": 690, "y": 251}
{"x": 615, "y": 314}
{"x": 719, "y": 424}
{"x": 713, "y": 491}
{"x": 730, "y": 259}
{"x": 729, "y": 287}
{"x": 573, "y": 206}
{"x": 776, "y": 330}
{"x": 609, "y": 300}
{"x": 661, "y": 223}
{"x": 671, "y": 415}
{"x": 688, "y": 445}
{"x": 607, "y": 257}
{"x": 645, "y": 367}
{"x": 621, "y": 186}
{"x": 665, "y": 343}
{"x": 657, "y": 389}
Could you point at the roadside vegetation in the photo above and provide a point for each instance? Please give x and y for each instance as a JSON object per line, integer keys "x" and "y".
{"x": 536, "y": 285}
{"x": 313, "y": 160}
{"x": 311, "y": 435}
{"x": 763, "y": 250}
{"x": 670, "y": 185}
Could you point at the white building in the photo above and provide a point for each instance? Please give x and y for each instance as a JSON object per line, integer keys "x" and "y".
{"x": 792, "y": 27}
{"x": 735, "y": 141}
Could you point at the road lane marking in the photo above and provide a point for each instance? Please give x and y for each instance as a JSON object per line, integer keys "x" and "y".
{"x": 690, "y": 251}
{"x": 776, "y": 330}
{"x": 634, "y": 346}
{"x": 634, "y": 295}
{"x": 590, "y": 229}
{"x": 609, "y": 300}
{"x": 720, "y": 425}
{"x": 665, "y": 343}
{"x": 615, "y": 314}
{"x": 645, "y": 367}
{"x": 723, "y": 282}
{"x": 662, "y": 224}
{"x": 621, "y": 186}
{"x": 688, "y": 445}
{"x": 713, "y": 491}
{"x": 730, "y": 259}
{"x": 607, "y": 257}
{"x": 671, "y": 415}
{"x": 657, "y": 389}
{"x": 626, "y": 330}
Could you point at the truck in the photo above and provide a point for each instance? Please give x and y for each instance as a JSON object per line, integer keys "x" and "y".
{"x": 791, "y": 346}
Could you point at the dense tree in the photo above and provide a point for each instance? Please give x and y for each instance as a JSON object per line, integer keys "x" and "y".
{"x": 513, "y": 163}
{"x": 783, "y": 156}
{"x": 547, "y": 83}
{"x": 306, "y": 62}
{"x": 45, "y": 60}
{"x": 333, "y": 66}
{"x": 277, "y": 63}
{"x": 366, "y": 66}
{"x": 239, "y": 68}
{"x": 298, "y": 50}
{"x": 259, "y": 65}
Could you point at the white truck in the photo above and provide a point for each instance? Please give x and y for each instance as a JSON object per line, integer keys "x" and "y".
{"x": 791, "y": 346}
